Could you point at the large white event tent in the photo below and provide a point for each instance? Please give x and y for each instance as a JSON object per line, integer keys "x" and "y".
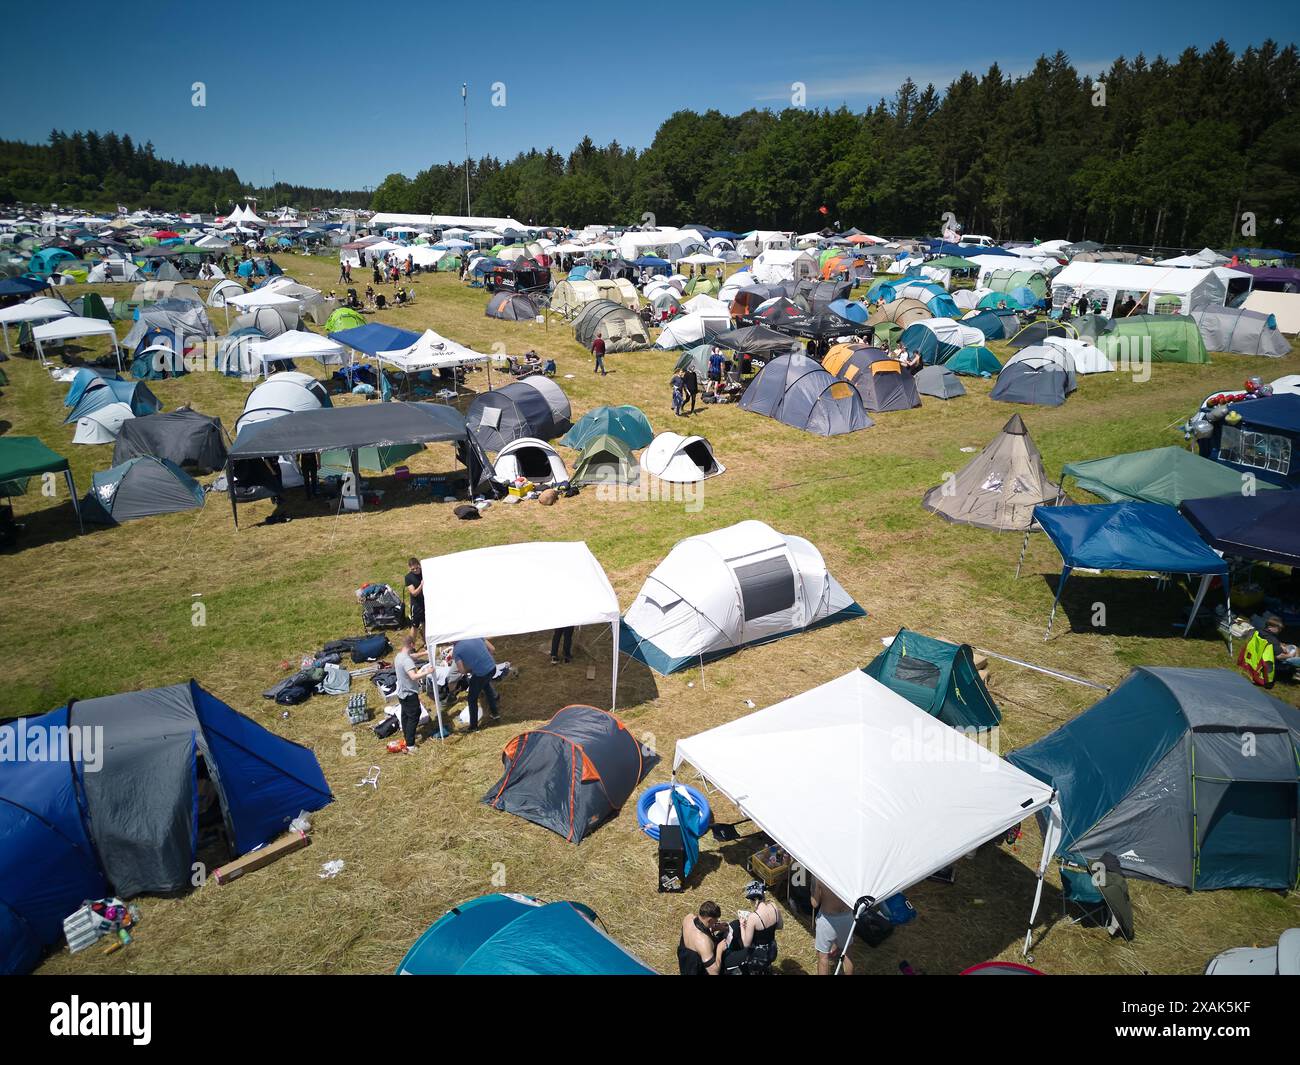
{"x": 1195, "y": 289}
{"x": 865, "y": 791}
{"x": 517, "y": 588}
{"x": 72, "y": 328}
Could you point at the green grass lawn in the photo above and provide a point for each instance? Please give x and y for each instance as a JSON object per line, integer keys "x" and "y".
{"x": 110, "y": 610}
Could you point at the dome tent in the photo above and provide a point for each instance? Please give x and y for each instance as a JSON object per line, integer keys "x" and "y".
{"x": 606, "y": 459}
{"x": 939, "y": 677}
{"x": 940, "y": 382}
{"x": 534, "y": 407}
{"x": 140, "y": 488}
{"x": 620, "y": 328}
{"x": 511, "y": 307}
{"x": 532, "y": 459}
{"x": 182, "y": 437}
{"x": 795, "y": 390}
{"x": 879, "y": 379}
{"x": 282, "y": 393}
{"x": 1038, "y": 375}
{"x": 343, "y": 318}
{"x": 681, "y": 459}
{"x": 626, "y": 422}
{"x": 727, "y": 589}
{"x": 222, "y": 290}
{"x": 975, "y": 360}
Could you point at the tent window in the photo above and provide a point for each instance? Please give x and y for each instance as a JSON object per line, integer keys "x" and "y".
{"x": 766, "y": 587}
{"x": 1260, "y": 451}
{"x": 917, "y": 671}
{"x": 490, "y": 418}
{"x": 841, "y": 390}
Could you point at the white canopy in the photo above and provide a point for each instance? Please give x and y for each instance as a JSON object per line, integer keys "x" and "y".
{"x": 701, "y": 259}
{"x": 297, "y": 344}
{"x": 866, "y": 791}
{"x": 38, "y": 309}
{"x": 70, "y": 328}
{"x": 430, "y": 352}
{"x": 518, "y": 588}
{"x": 262, "y": 297}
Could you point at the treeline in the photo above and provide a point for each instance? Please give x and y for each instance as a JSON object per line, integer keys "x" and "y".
{"x": 94, "y": 171}
{"x": 1167, "y": 152}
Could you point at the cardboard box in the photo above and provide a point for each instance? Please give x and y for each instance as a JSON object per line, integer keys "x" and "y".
{"x": 288, "y": 843}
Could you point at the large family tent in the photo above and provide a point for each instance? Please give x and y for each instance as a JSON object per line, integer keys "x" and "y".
{"x": 1010, "y": 281}
{"x": 681, "y": 459}
{"x": 939, "y": 677}
{"x": 687, "y": 330}
{"x": 511, "y": 307}
{"x": 795, "y": 390}
{"x": 1038, "y": 375}
{"x": 533, "y": 460}
{"x": 626, "y": 422}
{"x": 940, "y": 382}
{"x": 974, "y": 361}
{"x": 1188, "y": 776}
{"x": 880, "y": 381}
{"x": 1242, "y": 332}
{"x": 1154, "y": 338}
{"x": 902, "y": 313}
{"x": 75, "y": 830}
{"x": 282, "y": 393}
{"x": 937, "y": 340}
{"x": 25, "y": 457}
{"x": 569, "y": 297}
{"x": 999, "y": 488}
{"x": 140, "y": 488}
{"x": 570, "y": 775}
{"x": 1161, "y": 475}
{"x": 620, "y": 327}
{"x": 1260, "y": 437}
{"x": 516, "y": 935}
{"x": 606, "y": 459}
{"x": 535, "y": 406}
{"x": 182, "y": 437}
{"x": 720, "y": 591}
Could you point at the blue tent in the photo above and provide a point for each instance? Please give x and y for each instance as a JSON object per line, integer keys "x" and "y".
{"x": 578, "y": 273}
{"x": 47, "y": 260}
{"x": 626, "y": 422}
{"x": 974, "y": 361}
{"x": 1265, "y": 442}
{"x": 938, "y": 677}
{"x": 516, "y": 935}
{"x": 374, "y": 337}
{"x": 135, "y": 394}
{"x": 1260, "y": 527}
{"x": 1188, "y": 776}
{"x": 994, "y": 324}
{"x": 653, "y": 261}
{"x": 853, "y": 310}
{"x": 1145, "y": 537}
{"x": 131, "y": 825}
{"x": 83, "y": 379}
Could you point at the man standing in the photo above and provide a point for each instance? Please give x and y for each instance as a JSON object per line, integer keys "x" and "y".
{"x": 409, "y": 678}
{"x": 414, "y": 582}
{"x": 309, "y": 466}
{"x": 834, "y": 926}
{"x": 598, "y": 349}
{"x": 691, "y": 383}
{"x": 474, "y": 658}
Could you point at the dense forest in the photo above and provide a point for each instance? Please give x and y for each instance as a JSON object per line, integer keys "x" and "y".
{"x": 94, "y": 171}
{"x": 1157, "y": 152}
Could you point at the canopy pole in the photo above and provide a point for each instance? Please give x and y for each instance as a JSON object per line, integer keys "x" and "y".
{"x": 613, "y": 699}
{"x": 1050, "y": 836}
{"x": 1227, "y": 600}
{"x": 1196, "y": 605}
{"x": 862, "y": 905}
{"x": 356, "y": 476}
{"x": 1024, "y": 546}
{"x": 1060, "y": 587}
{"x": 230, "y": 487}
{"x": 437, "y": 700}
{"x": 76, "y": 504}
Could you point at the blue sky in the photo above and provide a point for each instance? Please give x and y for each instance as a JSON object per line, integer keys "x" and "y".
{"x": 327, "y": 94}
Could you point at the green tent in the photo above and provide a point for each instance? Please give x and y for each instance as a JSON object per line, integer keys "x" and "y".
{"x": 1171, "y": 338}
{"x": 937, "y": 676}
{"x": 92, "y": 306}
{"x": 24, "y": 457}
{"x": 974, "y": 361}
{"x": 343, "y": 318}
{"x": 887, "y": 332}
{"x": 372, "y": 459}
{"x": 1162, "y": 475}
{"x": 1010, "y": 280}
{"x": 700, "y": 284}
{"x": 606, "y": 460}
{"x": 698, "y": 357}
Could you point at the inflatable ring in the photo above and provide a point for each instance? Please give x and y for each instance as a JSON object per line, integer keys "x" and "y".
{"x": 647, "y": 799}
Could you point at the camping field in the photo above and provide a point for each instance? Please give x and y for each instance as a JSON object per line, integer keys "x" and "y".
{"x": 113, "y": 610}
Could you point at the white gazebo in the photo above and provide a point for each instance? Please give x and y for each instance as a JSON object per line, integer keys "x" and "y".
{"x": 74, "y": 327}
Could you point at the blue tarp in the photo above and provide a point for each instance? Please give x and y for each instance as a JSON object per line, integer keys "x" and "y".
{"x": 21, "y": 286}
{"x": 374, "y": 337}
{"x": 1148, "y": 537}
{"x": 688, "y": 819}
{"x": 965, "y": 251}
{"x": 1260, "y": 527}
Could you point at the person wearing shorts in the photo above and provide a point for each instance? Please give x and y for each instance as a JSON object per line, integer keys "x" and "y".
{"x": 415, "y": 590}
{"x": 834, "y": 926}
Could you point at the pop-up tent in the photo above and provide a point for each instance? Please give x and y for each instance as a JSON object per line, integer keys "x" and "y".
{"x": 627, "y": 423}
{"x": 532, "y": 459}
{"x": 1142, "y": 537}
{"x": 516, "y": 935}
{"x": 681, "y": 459}
{"x": 1000, "y": 487}
{"x": 535, "y": 406}
{"x": 37, "y": 309}
{"x": 1161, "y": 475}
{"x": 140, "y": 488}
{"x": 1188, "y": 776}
{"x": 731, "y": 588}
{"x": 570, "y": 775}
{"x": 183, "y": 437}
{"x": 25, "y": 457}
{"x": 119, "y": 815}
{"x": 794, "y": 389}
{"x": 974, "y": 361}
{"x": 822, "y": 775}
{"x": 939, "y": 677}
{"x": 1260, "y": 527}
{"x": 298, "y": 344}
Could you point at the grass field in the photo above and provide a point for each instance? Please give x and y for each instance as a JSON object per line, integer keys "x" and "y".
{"x": 110, "y": 611}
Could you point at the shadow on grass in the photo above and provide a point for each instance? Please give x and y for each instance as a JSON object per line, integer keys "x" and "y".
{"x": 1122, "y": 606}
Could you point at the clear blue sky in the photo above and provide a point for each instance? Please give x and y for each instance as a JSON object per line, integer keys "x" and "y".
{"x": 342, "y": 94}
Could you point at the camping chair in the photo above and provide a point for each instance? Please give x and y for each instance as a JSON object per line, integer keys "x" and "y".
{"x": 1080, "y": 893}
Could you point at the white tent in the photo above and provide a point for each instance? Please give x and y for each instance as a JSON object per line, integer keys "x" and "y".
{"x": 296, "y": 344}
{"x": 763, "y": 240}
{"x": 1204, "y": 258}
{"x": 773, "y": 267}
{"x": 37, "y": 309}
{"x": 517, "y": 588}
{"x": 709, "y": 307}
{"x": 101, "y": 426}
{"x": 532, "y": 459}
{"x": 431, "y": 352}
{"x": 689, "y": 329}
{"x": 865, "y": 791}
{"x": 289, "y": 308}
{"x": 701, "y": 259}
{"x": 948, "y": 331}
{"x": 72, "y": 328}
{"x": 1088, "y": 358}
{"x": 222, "y": 291}
{"x": 281, "y": 393}
{"x": 1195, "y": 288}
{"x": 1288, "y": 384}
{"x": 680, "y": 459}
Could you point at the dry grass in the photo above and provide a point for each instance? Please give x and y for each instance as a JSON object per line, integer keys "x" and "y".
{"x": 110, "y": 611}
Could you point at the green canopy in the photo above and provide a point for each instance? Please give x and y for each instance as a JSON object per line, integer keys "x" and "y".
{"x": 373, "y": 459}
{"x": 952, "y": 262}
{"x": 24, "y": 457}
{"x": 1166, "y": 475}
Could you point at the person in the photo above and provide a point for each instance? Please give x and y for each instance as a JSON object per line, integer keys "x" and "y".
{"x": 751, "y": 940}
{"x": 474, "y": 659}
{"x": 699, "y": 951}
{"x": 679, "y": 392}
{"x": 1081, "y": 307}
{"x": 715, "y": 365}
{"x": 834, "y": 925}
{"x": 343, "y": 272}
{"x": 409, "y": 680}
{"x": 691, "y": 385}
{"x": 565, "y": 634}
{"x": 309, "y": 464}
{"x": 414, "y": 581}
{"x": 911, "y": 361}
{"x": 1285, "y": 655}
{"x": 598, "y": 349}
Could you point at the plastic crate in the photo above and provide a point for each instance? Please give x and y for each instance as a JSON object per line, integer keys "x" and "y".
{"x": 771, "y": 875}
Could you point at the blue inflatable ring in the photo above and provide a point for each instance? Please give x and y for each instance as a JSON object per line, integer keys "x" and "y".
{"x": 647, "y": 799}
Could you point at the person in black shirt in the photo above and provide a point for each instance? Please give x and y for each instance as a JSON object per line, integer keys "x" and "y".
{"x": 414, "y": 582}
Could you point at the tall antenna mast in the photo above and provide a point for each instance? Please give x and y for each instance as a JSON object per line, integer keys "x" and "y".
{"x": 464, "y": 98}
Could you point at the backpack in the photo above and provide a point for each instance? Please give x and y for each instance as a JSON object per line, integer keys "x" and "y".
{"x": 1258, "y": 660}
{"x": 369, "y": 648}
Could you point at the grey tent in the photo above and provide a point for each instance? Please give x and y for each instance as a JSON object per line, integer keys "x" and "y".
{"x": 535, "y": 406}
{"x": 140, "y": 488}
{"x": 999, "y": 488}
{"x": 182, "y": 437}
{"x": 880, "y": 380}
{"x": 1189, "y": 776}
{"x": 794, "y": 389}
{"x": 1040, "y": 375}
{"x": 813, "y": 297}
{"x": 939, "y": 381}
{"x": 174, "y": 316}
{"x": 1240, "y": 331}
{"x": 511, "y": 306}
{"x": 620, "y": 327}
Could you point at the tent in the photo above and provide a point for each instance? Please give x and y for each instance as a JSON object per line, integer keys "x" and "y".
{"x": 902, "y": 312}
{"x": 1159, "y": 337}
{"x": 937, "y": 676}
{"x": 620, "y": 327}
{"x": 534, "y": 407}
{"x": 1038, "y": 375}
{"x": 180, "y": 319}
{"x": 1262, "y": 438}
{"x": 343, "y": 318}
{"x": 1086, "y": 356}
{"x": 140, "y": 488}
{"x": 755, "y": 340}
{"x": 1145, "y": 537}
{"x": 681, "y": 459}
{"x": 102, "y": 425}
{"x": 282, "y": 393}
{"x": 1240, "y": 331}
{"x": 880, "y": 380}
{"x": 1161, "y": 475}
{"x": 1195, "y": 289}
{"x": 76, "y": 829}
{"x": 625, "y": 422}
{"x": 1041, "y": 331}
{"x": 795, "y": 390}
{"x": 974, "y": 361}
{"x": 570, "y": 775}
{"x": 24, "y": 457}
{"x": 813, "y": 296}
{"x": 182, "y": 437}
{"x": 687, "y": 330}
{"x": 938, "y": 339}
{"x": 821, "y": 775}
{"x": 1188, "y": 776}
{"x": 1000, "y": 487}
{"x": 994, "y": 324}
{"x": 534, "y": 460}
{"x": 94, "y": 394}
{"x": 606, "y": 460}
{"x": 940, "y": 382}
{"x": 511, "y": 307}
{"x": 516, "y": 935}
{"x": 1260, "y": 527}
{"x": 720, "y": 591}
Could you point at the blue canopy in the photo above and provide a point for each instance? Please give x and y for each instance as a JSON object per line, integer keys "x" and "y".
{"x": 374, "y": 337}
{"x": 22, "y": 286}
{"x": 944, "y": 247}
{"x": 519, "y": 936}
{"x": 650, "y": 260}
{"x": 1261, "y": 527}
